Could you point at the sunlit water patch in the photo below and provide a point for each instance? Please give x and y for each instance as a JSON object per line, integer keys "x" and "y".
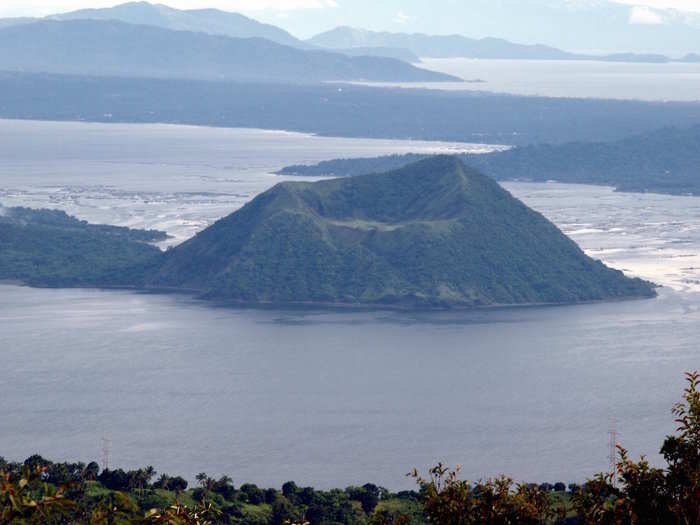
{"x": 656, "y": 237}
{"x": 566, "y": 78}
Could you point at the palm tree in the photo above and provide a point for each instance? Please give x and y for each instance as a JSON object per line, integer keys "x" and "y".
{"x": 149, "y": 473}
{"x": 163, "y": 481}
{"x": 202, "y": 478}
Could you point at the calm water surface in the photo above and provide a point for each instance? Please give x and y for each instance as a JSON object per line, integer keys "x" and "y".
{"x": 562, "y": 78}
{"x": 324, "y": 397}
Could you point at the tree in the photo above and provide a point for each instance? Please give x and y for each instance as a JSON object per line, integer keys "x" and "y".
{"x": 114, "y": 479}
{"x": 28, "y": 500}
{"x": 178, "y": 484}
{"x": 289, "y": 489}
{"x": 148, "y": 474}
{"x": 202, "y": 478}
{"x": 92, "y": 470}
{"x": 449, "y": 500}
{"x": 283, "y": 511}
{"x": 682, "y": 452}
{"x": 367, "y": 495}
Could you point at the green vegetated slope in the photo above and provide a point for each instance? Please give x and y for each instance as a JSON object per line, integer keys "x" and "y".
{"x": 434, "y": 233}
{"x": 49, "y": 248}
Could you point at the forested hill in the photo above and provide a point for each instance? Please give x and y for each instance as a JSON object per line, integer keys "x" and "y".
{"x": 433, "y": 233}
{"x": 49, "y": 248}
{"x": 663, "y": 161}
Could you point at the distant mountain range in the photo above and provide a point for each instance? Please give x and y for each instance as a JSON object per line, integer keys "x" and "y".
{"x": 407, "y": 47}
{"x": 389, "y": 52}
{"x": 435, "y": 46}
{"x": 115, "y": 48}
{"x": 457, "y": 46}
{"x": 211, "y": 21}
{"x": 8, "y": 22}
{"x": 434, "y": 233}
{"x": 596, "y": 27}
{"x": 662, "y": 161}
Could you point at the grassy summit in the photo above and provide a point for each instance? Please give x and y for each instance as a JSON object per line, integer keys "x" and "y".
{"x": 434, "y": 233}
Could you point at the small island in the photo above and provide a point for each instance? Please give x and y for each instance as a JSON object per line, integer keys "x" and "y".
{"x": 431, "y": 234}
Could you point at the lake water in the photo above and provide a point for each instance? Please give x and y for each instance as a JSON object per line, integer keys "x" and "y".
{"x": 562, "y": 78}
{"x": 175, "y": 178}
{"x": 328, "y": 398}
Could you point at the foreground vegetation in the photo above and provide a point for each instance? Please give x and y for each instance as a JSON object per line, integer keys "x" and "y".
{"x": 38, "y": 491}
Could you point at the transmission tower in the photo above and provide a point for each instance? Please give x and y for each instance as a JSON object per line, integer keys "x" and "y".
{"x": 612, "y": 453}
{"x": 106, "y": 445}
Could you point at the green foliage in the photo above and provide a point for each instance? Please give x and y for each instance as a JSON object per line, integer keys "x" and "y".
{"x": 27, "y": 499}
{"x": 49, "y": 248}
{"x": 434, "y": 233}
{"x": 449, "y": 500}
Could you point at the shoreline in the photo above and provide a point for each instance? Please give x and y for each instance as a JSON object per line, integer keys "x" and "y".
{"x": 195, "y": 295}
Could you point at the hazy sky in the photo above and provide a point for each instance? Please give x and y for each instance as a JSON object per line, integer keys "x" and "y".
{"x": 649, "y": 26}
{"x": 39, "y": 7}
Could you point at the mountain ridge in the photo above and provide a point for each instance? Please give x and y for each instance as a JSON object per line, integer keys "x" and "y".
{"x": 660, "y": 161}
{"x": 115, "y": 48}
{"x": 433, "y": 234}
{"x": 460, "y": 46}
{"x": 211, "y": 21}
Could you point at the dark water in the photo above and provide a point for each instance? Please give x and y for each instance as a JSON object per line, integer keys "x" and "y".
{"x": 331, "y": 399}
{"x": 328, "y": 398}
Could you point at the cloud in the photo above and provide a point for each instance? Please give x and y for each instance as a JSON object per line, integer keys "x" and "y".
{"x": 403, "y": 18}
{"x": 680, "y": 5}
{"x": 642, "y": 15}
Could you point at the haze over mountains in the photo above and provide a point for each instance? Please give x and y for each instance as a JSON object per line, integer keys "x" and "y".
{"x": 455, "y": 46}
{"x": 212, "y": 21}
{"x": 581, "y": 26}
{"x": 114, "y": 48}
{"x": 347, "y": 40}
